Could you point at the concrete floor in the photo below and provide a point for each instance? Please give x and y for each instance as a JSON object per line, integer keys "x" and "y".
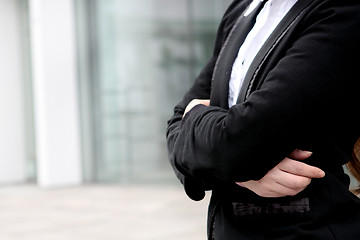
{"x": 100, "y": 213}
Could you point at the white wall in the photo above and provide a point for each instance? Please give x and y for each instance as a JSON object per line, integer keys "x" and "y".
{"x": 55, "y": 92}
{"x": 12, "y": 132}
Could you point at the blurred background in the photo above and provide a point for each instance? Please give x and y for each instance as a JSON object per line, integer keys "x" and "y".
{"x": 86, "y": 89}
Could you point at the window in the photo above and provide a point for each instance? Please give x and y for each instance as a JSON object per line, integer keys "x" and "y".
{"x": 144, "y": 55}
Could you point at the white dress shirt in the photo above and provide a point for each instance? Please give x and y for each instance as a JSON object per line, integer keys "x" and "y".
{"x": 267, "y": 20}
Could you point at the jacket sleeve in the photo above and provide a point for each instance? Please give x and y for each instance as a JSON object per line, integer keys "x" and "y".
{"x": 249, "y": 139}
{"x": 194, "y": 187}
{"x": 201, "y": 89}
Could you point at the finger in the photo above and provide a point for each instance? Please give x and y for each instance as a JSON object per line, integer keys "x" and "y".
{"x": 262, "y": 190}
{"x": 241, "y": 184}
{"x": 270, "y": 190}
{"x": 282, "y": 191}
{"x": 301, "y": 169}
{"x": 289, "y": 180}
{"x": 299, "y": 155}
{"x": 205, "y": 102}
{"x": 193, "y": 103}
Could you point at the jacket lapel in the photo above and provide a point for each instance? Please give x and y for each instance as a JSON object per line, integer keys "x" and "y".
{"x": 226, "y": 58}
{"x": 286, "y": 23}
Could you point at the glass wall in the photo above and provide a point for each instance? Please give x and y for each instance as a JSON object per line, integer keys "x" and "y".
{"x": 144, "y": 56}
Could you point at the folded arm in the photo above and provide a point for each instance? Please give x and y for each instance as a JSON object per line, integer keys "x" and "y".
{"x": 246, "y": 141}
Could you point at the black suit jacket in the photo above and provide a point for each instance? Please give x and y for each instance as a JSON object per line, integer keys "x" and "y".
{"x": 301, "y": 91}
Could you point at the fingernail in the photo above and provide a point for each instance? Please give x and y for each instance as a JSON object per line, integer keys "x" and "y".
{"x": 308, "y": 153}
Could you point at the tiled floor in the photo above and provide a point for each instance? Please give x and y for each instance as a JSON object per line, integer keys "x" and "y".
{"x": 100, "y": 213}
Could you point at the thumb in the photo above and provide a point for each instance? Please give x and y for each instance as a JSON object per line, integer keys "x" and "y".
{"x": 299, "y": 155}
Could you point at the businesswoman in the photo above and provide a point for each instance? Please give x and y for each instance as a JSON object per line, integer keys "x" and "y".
{"x": 284, "y": 75}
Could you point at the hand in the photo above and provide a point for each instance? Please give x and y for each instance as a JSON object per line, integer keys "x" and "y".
{"x": 195, "y": 102}
{"x": 288, "y": 178}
